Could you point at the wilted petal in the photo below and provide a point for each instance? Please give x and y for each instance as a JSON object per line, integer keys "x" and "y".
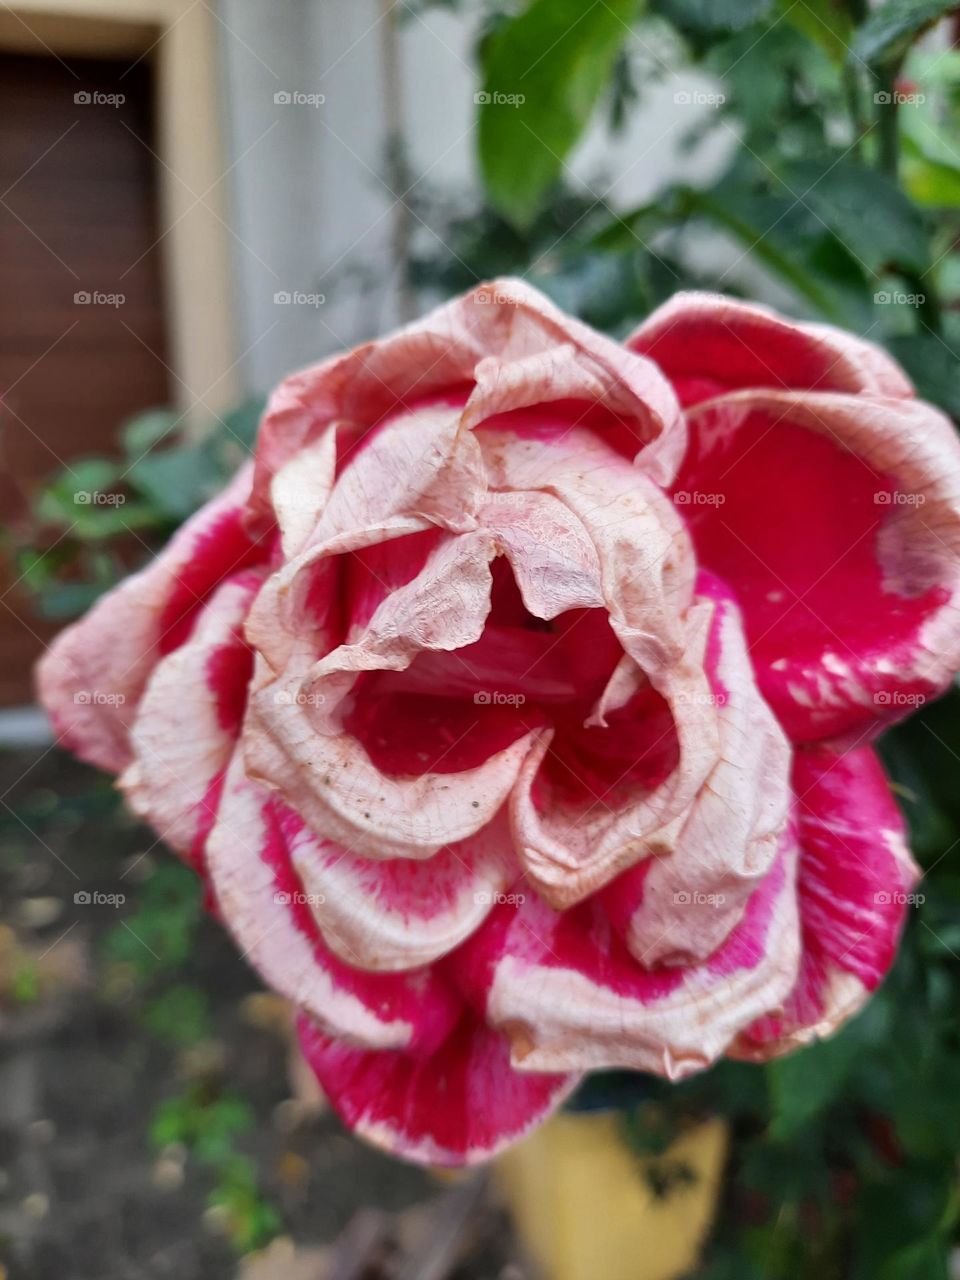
{"x": 836, "y": 522}
{"x": 297, "y": 744}
{"x": 571, "y": 847}
{"x": 266, "y": 908}
{"x": 644, "y": 555}
{"x": 571, "y": 997}
{"x": 458, "y": 1106}
{"x": 854, "y": 880}
{"x": 707, "y": 345}
{"x": 91, "y": 679}
{"x": 400, "y": 913}
{"x": 189, "y": 719}
{"x": 677, "y": 909}
{"x": 529, "y": 350}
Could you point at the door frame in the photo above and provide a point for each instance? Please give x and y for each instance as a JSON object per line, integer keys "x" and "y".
{"x": 180, "y": 38}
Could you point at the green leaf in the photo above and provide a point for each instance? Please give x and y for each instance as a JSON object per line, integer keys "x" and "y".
{"x": 70, "y": 498}
{"x": 865, "y": 210}
{"x": 888, "y": 32}
{"x": 929, "y": 181}
{"x": 709, "y": 17}
{"x": 545, "y": 72}
{"x": 140, "y": 433}
{"x": 177, "y": 481}
{"x": 824, "y": 22}
{"x": 927, "y": 1260}
{"x": 933, "y": 367}
{"x": 805, "y": 1084}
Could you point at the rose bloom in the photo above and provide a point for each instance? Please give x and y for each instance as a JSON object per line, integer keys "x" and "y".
{"x": 515, "y": 701}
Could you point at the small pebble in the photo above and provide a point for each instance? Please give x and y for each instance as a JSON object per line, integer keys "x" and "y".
{"x": 36, "y": 1205}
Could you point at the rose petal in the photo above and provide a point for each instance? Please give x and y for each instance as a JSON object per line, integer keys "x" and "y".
{"x": 730, "y": 836}
{"x": 91, "y": 679}
{"x": 266, "y": 908}
{"x": 571, "y": 847}
{"x": 644, "y": 555}
{"x": 854, "y": 880}
{"x": 707, "y": 345}
{"x": 400, "y": 913}
{"x": 477, "y": 337}
{"x": 188, "y": 721}
{"x": 847, "y": 570}
{"x": 570, "y": 996}
{"x": 296, "y": 741}
{"x": 459, "y": 1106}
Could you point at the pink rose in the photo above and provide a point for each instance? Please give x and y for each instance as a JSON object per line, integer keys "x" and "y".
{"x": 516, "y": 715}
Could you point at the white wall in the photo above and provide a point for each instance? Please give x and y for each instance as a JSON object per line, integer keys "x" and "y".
{"x": 307, "y": 193}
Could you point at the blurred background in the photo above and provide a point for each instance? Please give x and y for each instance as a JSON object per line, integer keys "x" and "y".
{"x": 197, "y": 196}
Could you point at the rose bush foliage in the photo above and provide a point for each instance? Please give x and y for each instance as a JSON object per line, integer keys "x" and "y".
{"x": 516, "y": 701}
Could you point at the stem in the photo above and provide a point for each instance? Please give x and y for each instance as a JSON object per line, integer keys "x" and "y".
{"x": 889, "y": 155}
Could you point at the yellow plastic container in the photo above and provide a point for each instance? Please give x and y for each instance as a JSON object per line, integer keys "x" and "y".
{"x": 584, "y": 1210}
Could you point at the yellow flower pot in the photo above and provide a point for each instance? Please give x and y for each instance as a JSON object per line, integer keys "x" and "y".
{"x": 585, "y": 1211}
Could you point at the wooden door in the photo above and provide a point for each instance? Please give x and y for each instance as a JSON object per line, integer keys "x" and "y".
{"x": 82, "y": 333}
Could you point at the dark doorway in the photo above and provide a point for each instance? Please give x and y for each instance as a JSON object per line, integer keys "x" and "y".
{"x": 82, "y": 333}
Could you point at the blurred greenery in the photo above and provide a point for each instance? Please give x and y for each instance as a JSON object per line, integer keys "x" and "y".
{"x": 839, "y": 201}
{"x": 98, "y": 518}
